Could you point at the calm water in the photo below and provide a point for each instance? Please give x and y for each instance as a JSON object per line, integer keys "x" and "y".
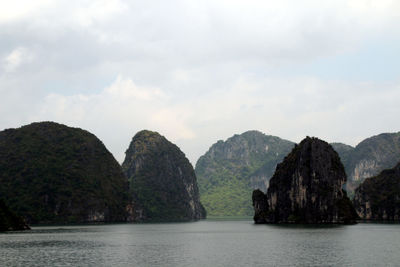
{"x": 204, "y": 243}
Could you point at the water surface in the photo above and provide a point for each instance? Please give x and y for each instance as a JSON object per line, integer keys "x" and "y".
{"x": 203, "y": 243}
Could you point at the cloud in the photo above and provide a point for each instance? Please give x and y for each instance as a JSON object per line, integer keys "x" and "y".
{"x": 198, "y": 71}
{"x": 289, "y": 108}
{"x": 12, "y": 11}
{"x": 117, "y": 112}
{"x": 92, "y": 12}
{"x": 123, "y": 98}
{"x": 205, "y": 32}
{"x": 16, "y": 58}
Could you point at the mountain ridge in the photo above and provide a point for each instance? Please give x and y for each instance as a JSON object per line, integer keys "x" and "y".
{"x": 220, "y": 179}
{"x": 231, "y": 169}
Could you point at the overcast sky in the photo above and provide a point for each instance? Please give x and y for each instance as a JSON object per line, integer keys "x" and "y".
{"x": 200, "y": 71}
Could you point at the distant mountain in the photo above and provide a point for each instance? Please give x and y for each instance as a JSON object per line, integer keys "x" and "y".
{"x": 231, "y": 169}
{"x": 162, "y": 180}
{"x": 369, "y": 157}
{"x": 51, "y": 173}
{"x": 344, "y": 151}
{"x": 306, "y": 188}
{"x": 373, "y": 155}
{"x": 378, "y": 198}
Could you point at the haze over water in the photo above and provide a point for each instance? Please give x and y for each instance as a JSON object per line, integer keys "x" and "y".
{"x": 203, "y": 243}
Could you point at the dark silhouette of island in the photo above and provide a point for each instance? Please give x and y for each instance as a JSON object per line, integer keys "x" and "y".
{"x": 307, "y": 187}
{"x": 51, "y": 173}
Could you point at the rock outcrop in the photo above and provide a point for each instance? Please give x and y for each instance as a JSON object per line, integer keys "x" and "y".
{"x": 232, "y": 169}
{"x": 378, "y": 198}
{"x": 9, "y": 221}
{"x": 162, "y": 180}
{"x": 307, "y": 187}
{"x": 51, "y": 173}
{"x": 261, "y": 208}
{"x": 369, "y": 157}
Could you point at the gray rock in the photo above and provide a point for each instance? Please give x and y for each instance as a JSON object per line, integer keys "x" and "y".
{"x": 307, "y": 187}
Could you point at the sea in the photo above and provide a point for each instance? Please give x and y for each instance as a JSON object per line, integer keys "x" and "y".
{"x": 203, "y": 243}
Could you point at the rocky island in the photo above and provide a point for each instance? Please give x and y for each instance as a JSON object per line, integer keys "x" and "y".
{"x": 162, "y": 180}
{"x": 52, "y": 173}
{"x": 230, "y": 170}
{"x": 378, "y": 198}
{"x": 307, "y": 187}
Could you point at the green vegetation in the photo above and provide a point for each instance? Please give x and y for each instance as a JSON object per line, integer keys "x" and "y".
{"x": 230, "y": 170}
{"x": 162, "y": 180}
{"x": 236, "y": 192}
{"x": 51, "y": 173}
{"x": 344, "y": 151}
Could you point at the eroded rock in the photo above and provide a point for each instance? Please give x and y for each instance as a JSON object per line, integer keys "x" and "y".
{"x": 307, "y": 187}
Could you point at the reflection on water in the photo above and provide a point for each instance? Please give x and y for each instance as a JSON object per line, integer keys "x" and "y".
{"x": 204, "y": 243}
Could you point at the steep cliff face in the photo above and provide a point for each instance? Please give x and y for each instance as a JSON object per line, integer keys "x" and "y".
{"x": 51, "y": 173}
{"x": 371, "y": 156}
{"x": 307, "y": 188}
{"x": 9, "y": 221}
{"x": 162, "y": 180}
{"x": 378, "y": 198}
{"x": 231, "y": 169}
{"x": 261, "y": 208}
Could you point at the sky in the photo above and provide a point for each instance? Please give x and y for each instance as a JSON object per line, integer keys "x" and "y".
{"x": 201, "y": 71}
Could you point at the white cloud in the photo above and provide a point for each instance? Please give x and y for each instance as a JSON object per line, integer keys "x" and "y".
{"x": 174, "y": 122}
{"x": 127, "y": 90}
{"x": 198, "y": 71}
{"x": 15, "y": 10}
{"x": 290, "y": 108}
{"x": 209, "y": 31}
{"x": 16, "y": 58}
{"x": 116, "y": 113}
{"x": 84, "y": 12}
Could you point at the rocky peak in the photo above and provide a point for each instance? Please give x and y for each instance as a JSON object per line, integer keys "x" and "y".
{"x": 239, "y": 148}
{"x": 231, "y": 169}
{"x": 307, "y": 187}
{"x": 252, "y": 156}
{"x": 162, "y": 180}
